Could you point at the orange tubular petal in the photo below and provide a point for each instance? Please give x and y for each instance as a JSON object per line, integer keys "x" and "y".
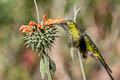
{"x": 58, "y": 20}
{"x": 23, "y": 31}
{"x": 44, "y": 17}
{"x": 23, "y": 26}
{"x": 28, "y": 29}
{"x": 49, "y": 21}
{"x": 32, "y": 23}
{"x": 39, "y": 25}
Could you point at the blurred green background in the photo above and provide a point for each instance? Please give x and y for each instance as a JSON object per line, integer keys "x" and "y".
{"x": 101, "y": 18}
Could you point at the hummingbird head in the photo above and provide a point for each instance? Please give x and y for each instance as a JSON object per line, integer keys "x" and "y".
{"x": 67, "y": 24}
{"x": 71, "y": 25}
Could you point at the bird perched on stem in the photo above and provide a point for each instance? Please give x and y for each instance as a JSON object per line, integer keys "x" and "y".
{"x": 81, "y": 40}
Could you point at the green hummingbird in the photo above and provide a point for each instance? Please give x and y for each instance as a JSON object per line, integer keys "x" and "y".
{"x": 81, "y": 40}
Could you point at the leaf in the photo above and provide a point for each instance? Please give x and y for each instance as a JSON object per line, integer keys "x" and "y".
{"x": 44, "y": 67}
{"x": 52, "y": 65}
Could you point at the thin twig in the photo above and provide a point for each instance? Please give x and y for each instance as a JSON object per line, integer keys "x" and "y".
{"x": 76, "y": 12}
{"x": 36, "y": 6}
{"x": 81, "y": 65}
{"x": 72, "y": 53}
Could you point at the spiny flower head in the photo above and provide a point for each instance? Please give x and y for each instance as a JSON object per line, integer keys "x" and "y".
{"x": 38, "y": 36}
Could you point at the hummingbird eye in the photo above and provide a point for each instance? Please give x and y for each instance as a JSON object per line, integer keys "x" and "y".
{"x": 65, "y": 24}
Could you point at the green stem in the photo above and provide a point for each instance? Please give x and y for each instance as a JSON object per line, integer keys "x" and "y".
{"x": 72, "y": 53}
{"x": 76, "y": 12}
{"x": 81, "y": 66}
{"x": 36, "y": 6}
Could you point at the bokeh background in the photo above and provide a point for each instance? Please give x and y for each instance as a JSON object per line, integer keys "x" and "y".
{"x": 102, "y": 21}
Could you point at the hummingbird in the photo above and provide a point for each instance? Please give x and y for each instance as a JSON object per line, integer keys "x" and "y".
{"x": 82, "y": 41}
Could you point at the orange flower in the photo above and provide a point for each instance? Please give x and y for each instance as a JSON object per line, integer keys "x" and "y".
{"x": 44, "y": 18}
{"x": 51, "y": 21}
{"x": 28, "y": 27}
{"x": 58, "y": 20}
{"x": 32, "y": 23}
{"x": 25, "y": 28}
{"x": 39, "y": 25}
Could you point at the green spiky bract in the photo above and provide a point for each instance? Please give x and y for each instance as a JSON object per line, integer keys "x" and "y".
{"x": 40, "y": 40}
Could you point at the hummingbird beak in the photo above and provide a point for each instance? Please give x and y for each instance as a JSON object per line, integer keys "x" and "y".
{"x": 62, "y": 24}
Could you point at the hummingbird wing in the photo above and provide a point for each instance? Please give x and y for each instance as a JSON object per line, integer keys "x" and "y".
{"x": 91, "y": 47}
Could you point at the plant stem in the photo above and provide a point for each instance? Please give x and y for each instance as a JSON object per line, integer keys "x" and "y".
{"x": 76, "y": 12}
{"x": 36, "y": 6}
{"x": 72, "y": 53}
{"x": 81, "y": 66}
